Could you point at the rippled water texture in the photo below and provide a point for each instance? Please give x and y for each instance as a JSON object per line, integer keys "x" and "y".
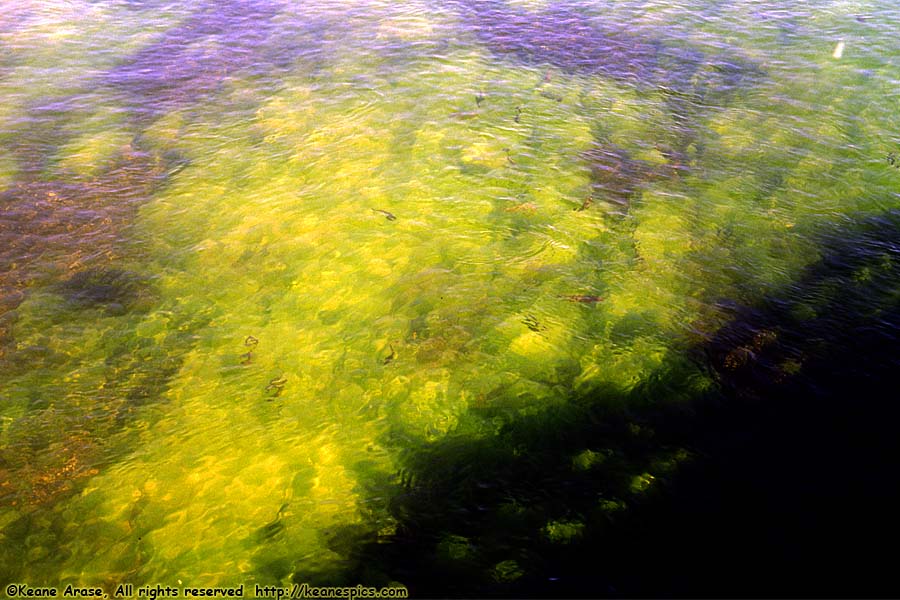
{"x": 420, "y": 294}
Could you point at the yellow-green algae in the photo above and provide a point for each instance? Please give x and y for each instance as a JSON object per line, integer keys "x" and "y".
{"x": 562, "y": 532}
{"x": 378, "y": 329}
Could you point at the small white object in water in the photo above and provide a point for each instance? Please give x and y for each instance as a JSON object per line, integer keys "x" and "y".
{"x": 838, "y": 50}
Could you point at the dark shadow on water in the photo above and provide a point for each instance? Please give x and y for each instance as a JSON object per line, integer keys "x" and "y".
{"x": 780, "y": 482}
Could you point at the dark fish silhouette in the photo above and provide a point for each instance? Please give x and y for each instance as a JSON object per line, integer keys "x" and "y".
{"x": 276, "y": 386}
{"x": 387, "y": 215}
{"x": 390, "y": 357}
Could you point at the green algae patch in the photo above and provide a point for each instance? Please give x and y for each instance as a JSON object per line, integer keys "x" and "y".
{"x": 507, "y": 571}
{"x": 588, "y": 459}
{"x": 8, "y": 169}
{"x": 377, "y": 254}
{"x": 563, "y": 532}
{"x": 455, "y": 548}
{"x": 642, "y": 483}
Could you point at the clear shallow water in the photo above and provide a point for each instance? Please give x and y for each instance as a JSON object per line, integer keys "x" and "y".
{"x": 260, "y": 261}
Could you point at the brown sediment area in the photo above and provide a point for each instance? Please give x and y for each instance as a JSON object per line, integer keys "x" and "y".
{"x": 72, "y": 233}
{"x": 618, "y": 178}
{"x": 50, "y": 230}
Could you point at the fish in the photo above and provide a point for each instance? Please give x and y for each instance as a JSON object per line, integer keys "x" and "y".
{"x": 276, "y": 385}
{"x": 387, "y": 215}
{"x": 274, "y": 527}
{"x": 561, "y": 38}
{"x": 582, "y": 298}
{"x": 390, "y": 357}
{"x": 565, "y": 39}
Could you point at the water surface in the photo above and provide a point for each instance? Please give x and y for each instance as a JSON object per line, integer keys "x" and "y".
{"x": 276, "y": 278}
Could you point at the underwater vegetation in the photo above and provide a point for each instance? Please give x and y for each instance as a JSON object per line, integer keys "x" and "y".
{"x": 632, "y": 495}
{"x": 44, "y": 224}
{"x": 558, "y": 37}
{"x": 474, "y": 298}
